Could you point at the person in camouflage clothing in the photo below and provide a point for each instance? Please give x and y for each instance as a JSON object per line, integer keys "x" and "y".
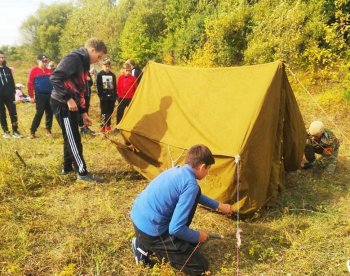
{"x": 321, "y": 141}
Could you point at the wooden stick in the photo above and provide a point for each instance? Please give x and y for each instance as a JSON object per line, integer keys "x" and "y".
{"x": 21, "y": 159}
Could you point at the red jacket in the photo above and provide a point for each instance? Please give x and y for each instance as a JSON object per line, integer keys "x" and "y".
{"x": 126, "y": 86}
{"x": 39, "y": 81}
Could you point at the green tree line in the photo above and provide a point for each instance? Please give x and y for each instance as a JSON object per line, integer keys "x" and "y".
{"x": 309, "y": 34}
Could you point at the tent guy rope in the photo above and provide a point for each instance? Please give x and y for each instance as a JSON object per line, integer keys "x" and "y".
{"x": 316, "y": 102}
{"x": 173, "y": 162}
{"x": 238, "y": 229}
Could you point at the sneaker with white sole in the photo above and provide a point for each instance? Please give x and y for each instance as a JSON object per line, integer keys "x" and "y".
{"x": 16, "y": 134}
{"x": 89, "y": 178}
{"x": 141, "y": 256}
{"x": 6, "y": 135}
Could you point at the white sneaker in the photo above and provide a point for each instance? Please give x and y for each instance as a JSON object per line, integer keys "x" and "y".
{"x": 6, "y": 135}
{"x": 16, "y": 134}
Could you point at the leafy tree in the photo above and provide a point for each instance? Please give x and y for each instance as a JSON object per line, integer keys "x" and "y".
{"x": 177, "y": 14}
{"x": 104, "y": 19}
{"x": 90, "y": 18}
{"x": 119, "y": 18}
{"x": 42, "y": 31}
{"x": 276, "y": 31}
{"x": 142, "y": 36}
{"x": 11, "y": 52}
{"x": 225, "y": 32}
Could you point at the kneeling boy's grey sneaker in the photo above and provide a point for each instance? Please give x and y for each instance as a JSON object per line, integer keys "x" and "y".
{"x": 89, "y": 178}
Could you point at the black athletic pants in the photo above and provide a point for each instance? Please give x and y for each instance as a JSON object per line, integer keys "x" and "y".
{"x": 107, "y": 107}
{"x": 174, "y": 250}
{"x": 124, "y": 103}
{"x": 11, "y": 108}
{"x": 42, "y": 102}
{"x": 72, "y": 149}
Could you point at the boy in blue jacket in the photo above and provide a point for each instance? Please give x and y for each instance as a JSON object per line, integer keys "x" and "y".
{"x": 162, "y": 213}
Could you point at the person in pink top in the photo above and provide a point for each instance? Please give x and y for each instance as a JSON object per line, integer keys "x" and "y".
{"x": 126, "y": 87}
{"x": 20, "y": 96}
{"x": 39, "y": 90}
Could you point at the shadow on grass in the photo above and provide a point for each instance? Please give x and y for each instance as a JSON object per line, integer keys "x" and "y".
{"x": 128, "y": 175}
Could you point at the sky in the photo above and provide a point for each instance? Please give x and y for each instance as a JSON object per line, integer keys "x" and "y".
{"x": 12, "y": 15}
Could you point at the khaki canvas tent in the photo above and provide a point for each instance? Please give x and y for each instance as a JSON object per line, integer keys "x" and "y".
{"x": 248, "y": 111}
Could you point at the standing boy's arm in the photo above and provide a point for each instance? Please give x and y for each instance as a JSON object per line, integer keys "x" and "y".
{"x": 119, "y": 86}
{"x": 12, "y": 82}
{"x": 99, "y": 85}
{"x": 115, "y": 85}
{"x": 135, "y": 84}
{"x": 30, "y": 84}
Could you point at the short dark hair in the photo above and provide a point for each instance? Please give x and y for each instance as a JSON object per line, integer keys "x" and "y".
{"x": 97, "y": 44}
{"x": 127, "y": 66}
{"x": 132, "y": 62}
{"x": 106, "y": 61}
{"x": 2, "y": 53}
{"x": 199, "y": 154}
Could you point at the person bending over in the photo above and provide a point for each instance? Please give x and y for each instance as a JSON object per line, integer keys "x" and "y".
{"x": 323, "y": 142}
{"x": 69, "y": 82}
{"x": 163, "y": 212}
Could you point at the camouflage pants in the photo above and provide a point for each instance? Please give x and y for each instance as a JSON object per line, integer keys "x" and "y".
{"x": 328, "y": 163}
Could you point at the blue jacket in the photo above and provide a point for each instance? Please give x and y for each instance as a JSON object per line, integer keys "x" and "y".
{"x": 166, "y": 203}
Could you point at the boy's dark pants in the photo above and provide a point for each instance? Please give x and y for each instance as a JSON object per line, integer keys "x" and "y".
{"x": 174, "y": 250}
{"x": 11, "y": 107}
{"x": 107, "y": 107}
{"x": 42, "y": 105}
{"x": 69, "y": 123}
{"x": 123, "y": 103}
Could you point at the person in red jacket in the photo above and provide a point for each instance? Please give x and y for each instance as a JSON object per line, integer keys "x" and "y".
{"x": 126, "y": 87}
{"x": 39, "y": 91}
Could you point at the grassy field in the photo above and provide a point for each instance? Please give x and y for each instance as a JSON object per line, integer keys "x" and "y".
{"x": 52, "y": 225}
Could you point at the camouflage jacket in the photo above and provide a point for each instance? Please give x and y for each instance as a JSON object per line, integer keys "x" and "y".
{"x": 328, "y": 140}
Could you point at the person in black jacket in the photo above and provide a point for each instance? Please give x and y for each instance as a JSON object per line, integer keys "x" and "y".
{"x": 69, "y": 82}
{"x": 107, "y": 92}
{"x": 7, "y": 99}
{"x": 135, "y": 70}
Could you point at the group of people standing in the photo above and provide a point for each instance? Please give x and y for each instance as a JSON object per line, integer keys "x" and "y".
{"x": 109, "y": 88}
{"x": 65, "y": 92}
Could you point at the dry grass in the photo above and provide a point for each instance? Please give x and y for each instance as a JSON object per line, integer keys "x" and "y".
{"x": 52, "y": 225}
